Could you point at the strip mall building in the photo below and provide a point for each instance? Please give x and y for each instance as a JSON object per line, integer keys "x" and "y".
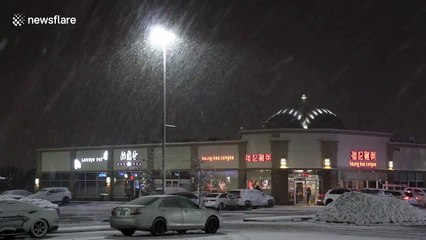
{"x": 297, "y": 149}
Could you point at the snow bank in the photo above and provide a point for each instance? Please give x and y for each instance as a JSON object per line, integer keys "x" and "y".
{"x": 364, "y": 209}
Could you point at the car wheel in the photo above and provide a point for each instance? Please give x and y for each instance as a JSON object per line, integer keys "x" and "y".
{"x": 127, "y": 232}
{"x": 181, "y": 231}
{"x": 247, "y": 206}
{"x": 65, "y": 200}
{"x": 212, "y": 225}
{"x": 270, "y": 204}
{"x": 39, "y": 229}
{"x": 328, "y": 201}
{"x": 159, "y": 227}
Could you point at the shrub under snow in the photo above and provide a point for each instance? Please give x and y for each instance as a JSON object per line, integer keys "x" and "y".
{"x": 364, "y": 209}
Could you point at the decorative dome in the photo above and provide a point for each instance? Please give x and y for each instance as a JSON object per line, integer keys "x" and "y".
{"x": 304, "y": 117}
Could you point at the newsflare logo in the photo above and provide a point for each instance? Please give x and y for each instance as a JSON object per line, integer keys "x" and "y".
{"x": 18, "y": 20}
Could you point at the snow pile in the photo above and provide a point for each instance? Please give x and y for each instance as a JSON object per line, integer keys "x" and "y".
{"x": 364, "y": 209}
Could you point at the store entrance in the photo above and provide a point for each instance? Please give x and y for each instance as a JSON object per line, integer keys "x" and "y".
{"x": 303, "y": 187}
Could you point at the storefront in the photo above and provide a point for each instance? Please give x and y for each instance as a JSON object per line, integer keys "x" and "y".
{"x": 297, "y": 156}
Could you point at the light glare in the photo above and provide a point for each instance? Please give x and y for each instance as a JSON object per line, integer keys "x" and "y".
{"x": 159, "y": 35}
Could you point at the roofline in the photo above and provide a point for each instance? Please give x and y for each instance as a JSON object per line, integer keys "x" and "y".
{"x": 171, "y": 144}
{"x": 405, "y": 144}
{"x": 316, "y": 130}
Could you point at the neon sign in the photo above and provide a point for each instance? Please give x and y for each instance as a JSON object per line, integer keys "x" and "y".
{"x": 129, "y": 158}
{"x": 212, "y": 158}
{"x": 259, "y": 157}
{"x": 363, "y": 159}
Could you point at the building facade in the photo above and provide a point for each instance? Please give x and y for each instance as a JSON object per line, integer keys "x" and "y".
{"x": 298, "y": 150}
{"x": 283, "y": 162}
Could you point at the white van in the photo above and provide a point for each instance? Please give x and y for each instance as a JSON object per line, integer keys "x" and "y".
{"x": 248, "y": 198}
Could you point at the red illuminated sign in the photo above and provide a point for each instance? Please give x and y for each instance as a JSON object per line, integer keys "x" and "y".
{"x": 363, "y": 159}
{"x": 212, "y": 158}
{"x": 259, "y": 157}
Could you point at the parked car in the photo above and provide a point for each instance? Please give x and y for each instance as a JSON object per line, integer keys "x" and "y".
{"x": 419, "y": 194}
{"x": 41, "y": 203}
{"x": 376, "y": 192}
{"x": 54, "y": 194}
{"x": 249, "y": 198}
{"x": 333, "y": 194}
{"x": 320, "y": 199}
{"x": 191, "y": 197}
{"x": 405, "y": 196}
{"x": 38, "y": 202}
{"x": 20, "y": 192}
{"x": 218, "y": 201}
{"x": 18, "y": 217}
{"x": 161, "y": 213}
{"x": 12, "y": 197}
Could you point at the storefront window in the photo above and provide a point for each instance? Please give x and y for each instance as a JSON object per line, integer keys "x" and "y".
{"x": 54, "y": 180}
{"x": 221, "y": 181}
{"x": 259, "y": 179}
{"x": 89, "y": 184}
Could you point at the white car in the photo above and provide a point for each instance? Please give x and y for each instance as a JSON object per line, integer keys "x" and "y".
{"x": 333, "y": 194}
{"x": 20, "y": 192}
{"x": 18, "y": 217}
{"x": 38, "y": 202}
{"x": 248, "y": 198}
{"x": 54, "y": 194}
{"x": 41, "y": 203}
{"x": 12, "y": 197}
{"x": 161, "y": 213}
{"x": 216, "y": 200}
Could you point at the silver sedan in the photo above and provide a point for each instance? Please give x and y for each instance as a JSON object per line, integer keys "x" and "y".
{"x": 161, "y": 213}
{"x": 18, "y": 217}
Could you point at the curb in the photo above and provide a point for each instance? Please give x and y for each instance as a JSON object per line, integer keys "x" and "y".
{"x": 83, "y": 229}
{"x": 279, "y": 219}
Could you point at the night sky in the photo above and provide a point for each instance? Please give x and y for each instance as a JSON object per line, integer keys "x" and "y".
{"x": 99, "y": 82}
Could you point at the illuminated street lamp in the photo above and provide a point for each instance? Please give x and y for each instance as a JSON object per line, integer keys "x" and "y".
{"x": 162, "y": 37}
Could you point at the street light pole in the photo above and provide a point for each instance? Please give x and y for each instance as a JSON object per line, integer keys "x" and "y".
{"x": 160, "y": 35}
{"x": 163, "y": 157}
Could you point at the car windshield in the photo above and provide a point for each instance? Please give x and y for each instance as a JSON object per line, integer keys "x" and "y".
{"x": 143, "y": 201}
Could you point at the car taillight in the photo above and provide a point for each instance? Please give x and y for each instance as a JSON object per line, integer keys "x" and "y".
{"x": 113, "y": 212}
{"x": 417, "y": 198}
{"x": 136, "y": 212}
{"x": 406, "y": 198}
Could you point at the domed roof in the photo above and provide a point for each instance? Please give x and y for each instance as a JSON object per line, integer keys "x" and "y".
{"x": 304, "y": 117}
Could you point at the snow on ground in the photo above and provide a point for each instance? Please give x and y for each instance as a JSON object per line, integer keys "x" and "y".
{"x": 364, "y": 209}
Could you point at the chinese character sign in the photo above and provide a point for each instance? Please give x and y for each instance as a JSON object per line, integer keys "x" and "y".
{"x": 362, "y": 159}
{"x": 128, "y": 156}
{"x": 259, "y": 157}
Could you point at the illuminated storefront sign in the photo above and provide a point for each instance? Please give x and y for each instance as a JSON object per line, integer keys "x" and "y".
{"x": 129, "y": 158}
{"x": 78, "y": 162}
{"x": 212, "y": 158}
{"x": 259, "y": 157}
{"x": 363, "y": 159}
